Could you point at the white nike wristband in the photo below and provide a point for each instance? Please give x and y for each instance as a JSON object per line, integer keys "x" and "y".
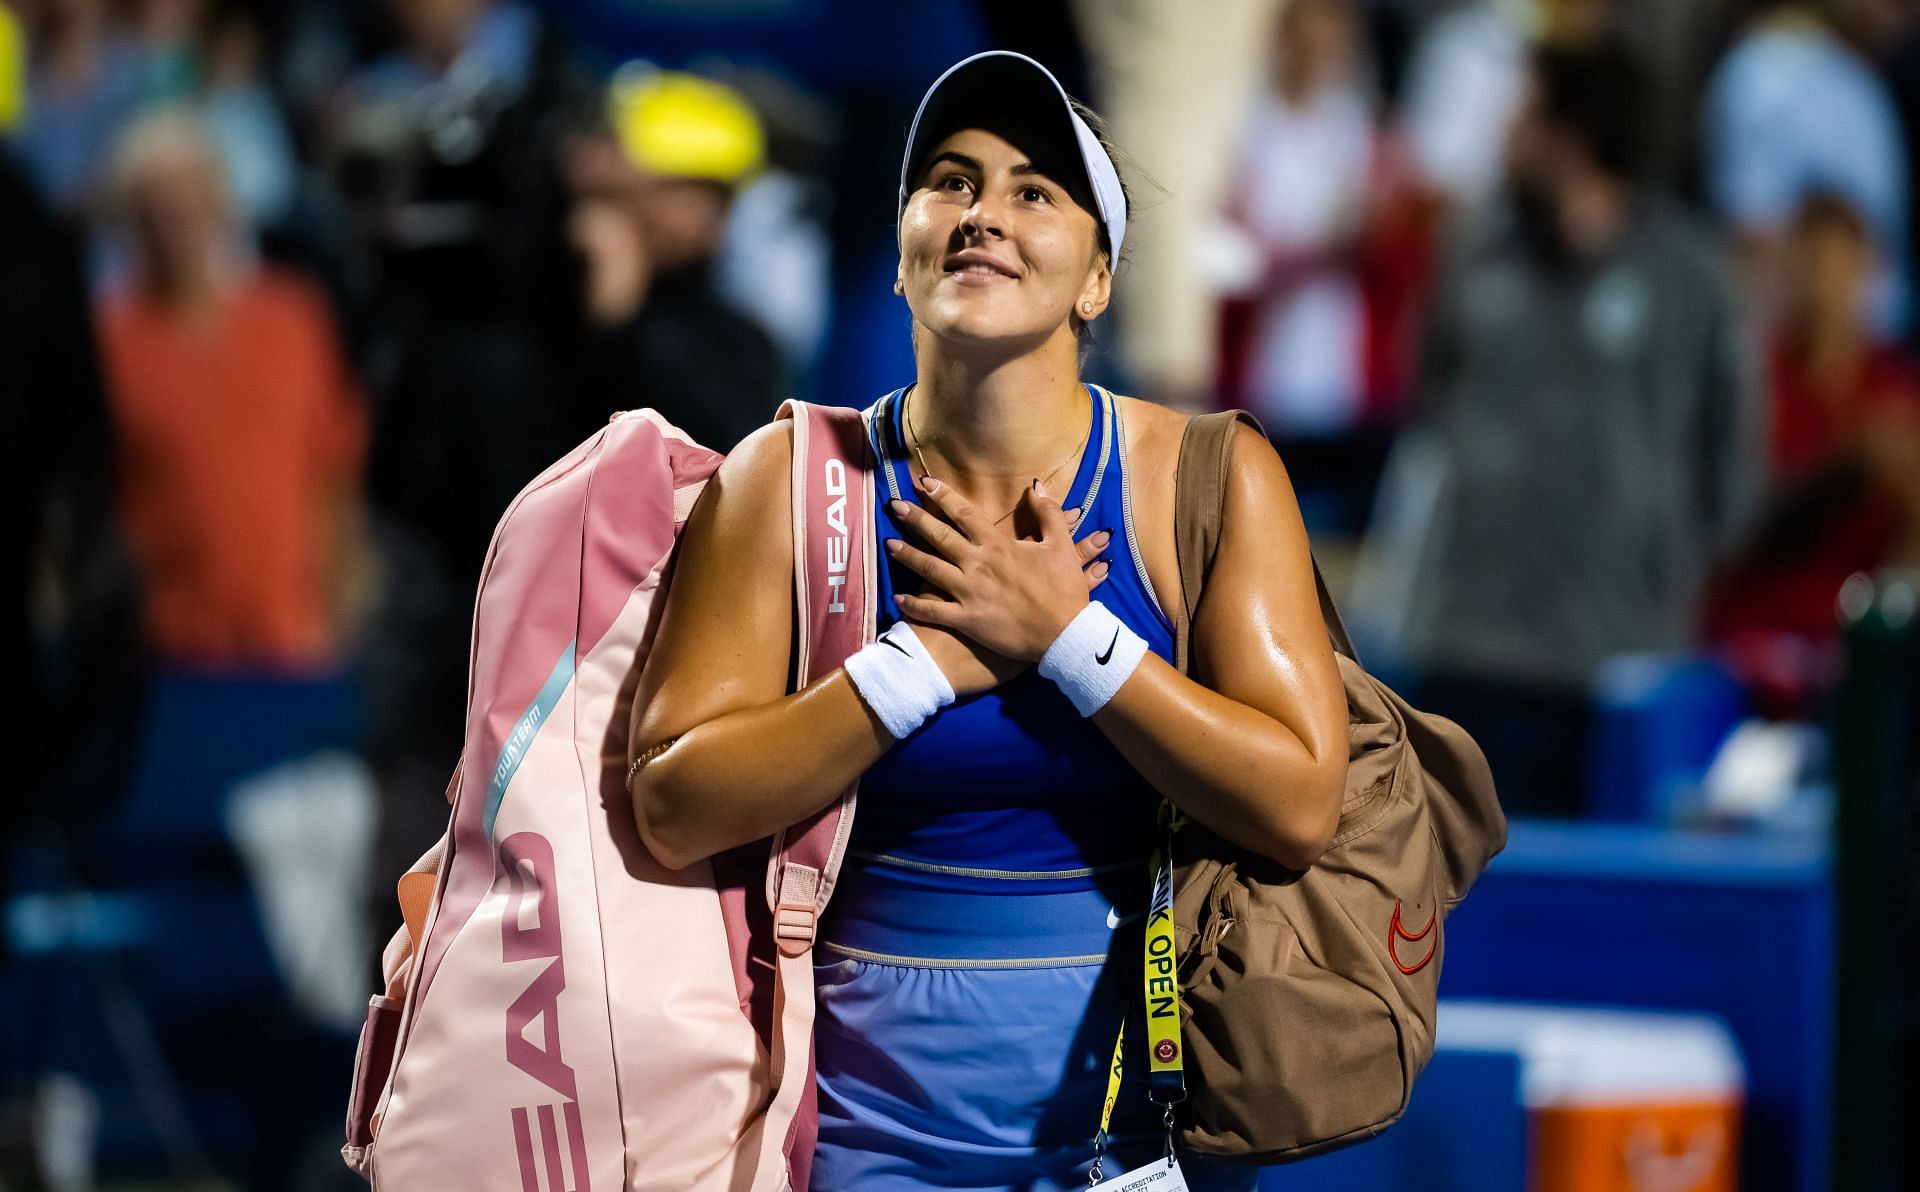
{"x": 1092, "y": 656}
{"x": 899, "y": 680}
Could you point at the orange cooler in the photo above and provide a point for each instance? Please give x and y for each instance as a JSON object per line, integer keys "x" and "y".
{"x": 1616, "y": 1100}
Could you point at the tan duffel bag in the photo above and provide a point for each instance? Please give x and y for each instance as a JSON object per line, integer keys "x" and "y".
{"x": 1308, "y": 999}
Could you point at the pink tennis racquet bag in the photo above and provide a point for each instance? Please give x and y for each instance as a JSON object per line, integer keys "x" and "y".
{"x": 561, "y": 1013}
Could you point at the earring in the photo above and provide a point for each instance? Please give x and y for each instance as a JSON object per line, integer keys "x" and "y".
{"x": 1086, "y": 308}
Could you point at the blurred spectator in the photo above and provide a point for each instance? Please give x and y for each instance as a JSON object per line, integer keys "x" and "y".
{"x": 241, "y": 430}
{"x": 443, "y": 149}
{"x": 92, "y": 72}
{"x": 1468, "y": 77}
{"x": 444, "y": 153}
{"x": 776, "y": 263}
{"x": 1171, "y": 87}
{"x": 1790, "y": 109}
{"x": 169, "y": 34}
{"x": 1844, "y": 469}
{"x": 244, "y": 120}
{"x": 776, "y": 259}
{"x": 240, "y": 437}
{"x": 1583, "y": 401}
{"x": 1889, "y": 31}
{"x": 1294, "y": 338}
{"x": 86, "y": 77}
{"x": 649, "y": 214}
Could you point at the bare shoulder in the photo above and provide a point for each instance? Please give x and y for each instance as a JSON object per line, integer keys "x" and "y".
{"x": 748, "y": 501}
{"x": 1264, "y": 559}
{"x": 1259, "y": 493}
{"x": 1152, "y": 434}
{"x": 762, "y": 461}
{"x": 725, "y": 633}
{"x": 1257, "y": 480}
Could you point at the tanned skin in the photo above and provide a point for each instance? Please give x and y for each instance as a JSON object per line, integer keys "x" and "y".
{"x": 1254, "y": 745}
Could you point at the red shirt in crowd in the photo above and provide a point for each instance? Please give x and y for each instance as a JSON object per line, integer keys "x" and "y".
{"x": 1843, "y": 519}
{"x": 241, "y": 440}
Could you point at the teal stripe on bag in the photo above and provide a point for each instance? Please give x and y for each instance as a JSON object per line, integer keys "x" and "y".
{"x": 524, "y": 730}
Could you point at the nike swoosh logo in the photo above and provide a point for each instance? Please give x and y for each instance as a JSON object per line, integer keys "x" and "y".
{"x": 887, "y": 641}
{"x": 1114, "y": 920}
{"x": 1102, "y": 658}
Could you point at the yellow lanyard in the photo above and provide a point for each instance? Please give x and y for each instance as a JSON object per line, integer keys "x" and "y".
{"x": 1166, "y": 1074}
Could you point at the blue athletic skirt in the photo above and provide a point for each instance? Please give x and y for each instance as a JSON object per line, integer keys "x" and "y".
{"x": 964, "y": 1035}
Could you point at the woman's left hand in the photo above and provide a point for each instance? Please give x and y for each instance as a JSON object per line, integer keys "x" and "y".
{"x": 1011, "y": 595}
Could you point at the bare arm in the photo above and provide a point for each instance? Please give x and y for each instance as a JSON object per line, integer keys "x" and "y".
{"x": 746, "y": 758}
{"x": 1254, "y": 745}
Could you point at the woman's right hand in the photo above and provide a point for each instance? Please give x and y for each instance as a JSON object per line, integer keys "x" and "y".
{"x": 970, "y": 667}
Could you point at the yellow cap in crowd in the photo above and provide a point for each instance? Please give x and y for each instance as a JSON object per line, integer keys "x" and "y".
{"x": 13, "y": 71}
{"x": 683, "y": 126}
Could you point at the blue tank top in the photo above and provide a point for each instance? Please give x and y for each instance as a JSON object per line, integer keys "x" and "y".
{"x": 1014, "y": 779}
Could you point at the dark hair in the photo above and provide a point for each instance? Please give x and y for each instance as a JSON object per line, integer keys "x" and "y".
{"x": 1597, "y": 93}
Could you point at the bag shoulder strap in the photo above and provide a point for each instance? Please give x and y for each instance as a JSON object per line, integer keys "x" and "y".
{"x": 1199, "y": 508}
{"x": 835, "y": 591}
{"x": 835, "y": 586}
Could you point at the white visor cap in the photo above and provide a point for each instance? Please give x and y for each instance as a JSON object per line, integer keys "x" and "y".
{"x": 1004, "y": 80}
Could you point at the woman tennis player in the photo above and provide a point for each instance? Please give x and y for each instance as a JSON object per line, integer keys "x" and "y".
{"x": 1018, "y": 721}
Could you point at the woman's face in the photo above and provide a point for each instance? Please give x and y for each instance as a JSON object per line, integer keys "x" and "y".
{"x": 992, "y": 251}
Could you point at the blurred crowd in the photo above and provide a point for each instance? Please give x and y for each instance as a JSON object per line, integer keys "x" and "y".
{"x": 1585, "y": 327}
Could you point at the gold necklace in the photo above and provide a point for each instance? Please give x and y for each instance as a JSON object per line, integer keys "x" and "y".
{"x": 906, "y": 418}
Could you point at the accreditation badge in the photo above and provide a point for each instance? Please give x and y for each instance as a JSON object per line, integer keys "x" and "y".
{"x": 1160, "y": 1175}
